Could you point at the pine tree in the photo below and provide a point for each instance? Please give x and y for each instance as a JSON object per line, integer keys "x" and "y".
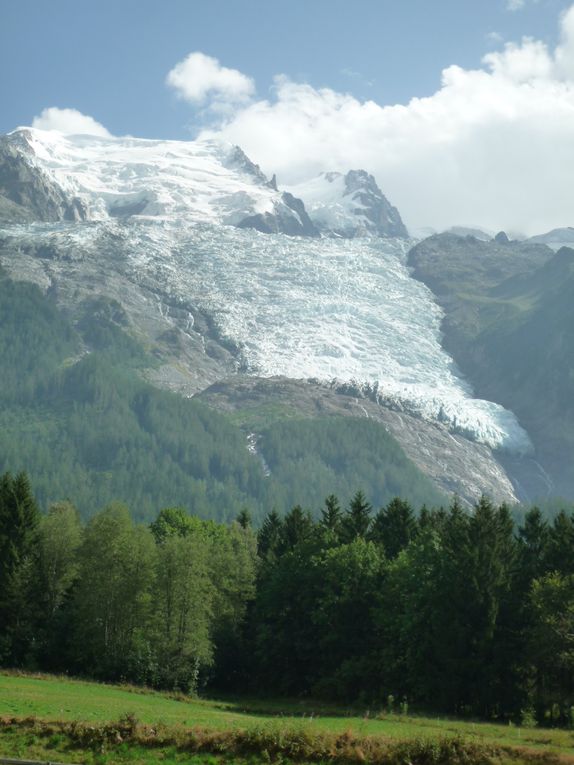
{"x": 19, "y": 518}
{"x": 394, "y": 527}
{"x": 357, "y": 520}
{"x": 244, "y": 518}
{"x": 268, "y": 536}
{"x": 533, "y": 541}
{"x": 560, "y": 548}
{"x": 331, "y": 514}
{"x": 296, "y": 528}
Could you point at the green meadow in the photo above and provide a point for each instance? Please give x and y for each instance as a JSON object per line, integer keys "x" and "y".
{"x": 41, "y": 716}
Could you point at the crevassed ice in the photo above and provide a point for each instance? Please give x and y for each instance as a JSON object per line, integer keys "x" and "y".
{"x": 343, "y": 309}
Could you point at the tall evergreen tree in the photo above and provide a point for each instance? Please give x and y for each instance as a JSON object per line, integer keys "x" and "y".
{"x": 269, "y": 535}
{"x": 551, "y": 646}
{"x": 331, "y": 515}
{"x": 560, "y": 547}
{"x": 394, "y": 527}
{"x": 533, "y": 539}
{"x": 244, "y": 518}
{"x": 357, "y": 520}
{"x": 19, "y": 519}
{"x": 296, "y": 528}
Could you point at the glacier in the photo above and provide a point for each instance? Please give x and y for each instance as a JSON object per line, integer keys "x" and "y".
{"x": 343, "y": 310}
{"x": 327, "y": 309}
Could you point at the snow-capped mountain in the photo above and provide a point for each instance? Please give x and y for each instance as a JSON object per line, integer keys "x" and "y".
{"x": 349, "y": 206}
{"x": 162, "y": 228}
{"x": 51, "y": 176}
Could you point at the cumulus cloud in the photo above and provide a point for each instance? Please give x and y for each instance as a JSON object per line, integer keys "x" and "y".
{"x": 199, "y": 77}
{"x": 494, "y": 146}
{"x": 68, "y": 121}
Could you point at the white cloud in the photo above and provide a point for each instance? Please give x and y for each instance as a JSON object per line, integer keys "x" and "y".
{"x": 69, "y": 121}
{"x": 493, "y": 146}
{"x": 199, "y": 77}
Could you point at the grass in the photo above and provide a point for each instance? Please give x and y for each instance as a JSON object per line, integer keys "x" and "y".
{"x": 262, "y": 415}
{"x": 58, "y": 718}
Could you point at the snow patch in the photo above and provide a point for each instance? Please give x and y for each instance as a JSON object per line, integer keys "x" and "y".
{"x": 205, "y": 181}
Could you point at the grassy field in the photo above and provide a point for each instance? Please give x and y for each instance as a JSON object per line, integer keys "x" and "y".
{"x": 51, "y": 707}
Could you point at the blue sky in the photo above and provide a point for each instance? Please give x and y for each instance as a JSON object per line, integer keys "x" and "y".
{"x": 462, "y": 109}
{"x": 110, "y": 59}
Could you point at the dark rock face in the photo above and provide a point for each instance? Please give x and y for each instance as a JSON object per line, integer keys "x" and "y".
{"x": 295, "y": 204}
{"x": 382, "y": 218}
{"x": 502, "y": 238}
{"x": 281, "y": 221}
{"x": 27, "y": 194}
{"x": 448, "y": 263}
{"x": 239, "y": 160}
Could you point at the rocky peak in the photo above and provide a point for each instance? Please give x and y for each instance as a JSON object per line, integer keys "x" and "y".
{"x": 238, "y": 160}
{"x": 26, "y": 192}
{"x": 502, "y": 238}
{"x": 349, "y": 206}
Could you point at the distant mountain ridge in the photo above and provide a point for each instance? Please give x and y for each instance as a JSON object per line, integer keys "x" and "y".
{"x": 557, "y": 238}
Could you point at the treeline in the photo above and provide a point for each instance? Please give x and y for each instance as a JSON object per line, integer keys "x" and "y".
{"x": 443, "y": 610}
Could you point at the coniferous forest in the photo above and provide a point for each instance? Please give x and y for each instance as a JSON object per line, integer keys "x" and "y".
{"x": 437, "y": 610}
{"x": 76, "y": 413}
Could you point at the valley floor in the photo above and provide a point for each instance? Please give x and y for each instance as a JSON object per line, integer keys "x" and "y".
{"x": 74, "y": 721}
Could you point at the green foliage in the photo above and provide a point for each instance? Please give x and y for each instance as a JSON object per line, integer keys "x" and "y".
{"x": 182, "y": 606}
{"x": 551, "y": 642}
{"x": 311, "y": 459}
{"x": 394, "y": 527}
{"x": 455, "y": 611}
{"x": 352, "y": 577}
{"x": 34, "y": 340}
{"x": 435, "y": 609}
{"x": 112, "y": 603}
{"x": 356, "y": 522}
{"x": 19, "y": 518}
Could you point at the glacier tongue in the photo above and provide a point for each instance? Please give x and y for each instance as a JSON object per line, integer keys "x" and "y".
{"x": 337, "y": 309}
{"x": 306, "y": 308}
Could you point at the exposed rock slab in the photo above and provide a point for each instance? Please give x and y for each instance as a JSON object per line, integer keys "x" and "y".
{"x": 454, "y": 464}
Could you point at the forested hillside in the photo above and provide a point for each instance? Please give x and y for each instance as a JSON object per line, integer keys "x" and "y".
{"x": 78, "y": 415}
{"x": 508, "y": 324}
